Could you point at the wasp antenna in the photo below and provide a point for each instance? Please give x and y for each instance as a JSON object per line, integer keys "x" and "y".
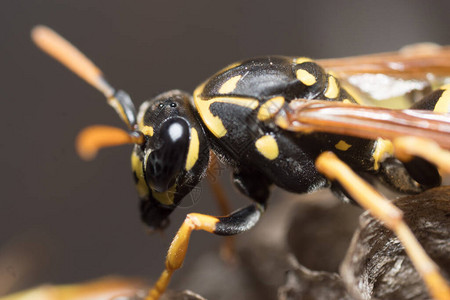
{"x": 91, "y": 139}
{"x": 67, "y": 54}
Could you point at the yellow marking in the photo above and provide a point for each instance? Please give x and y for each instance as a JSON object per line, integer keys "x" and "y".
{"x": 229, "y": 85}
{"x": 406, "y": 147}
{"x": 305, "y": 77}
{"x": 300, "y": 60}
{"x": 281, "y": 121}
{"x": 214, "y": 123}
{"x": 332, "y": 73}
{"x": 166, "y": 197}
{"x": 383, "y": 148}
{"x": 332, "y": 90}
{"x": 342, "y": 145}
{"x": 270, "y": 108}
{"x": 229, "y": 67}
{"x": 141, "y": 185}
{"x": 346, "y": 101}
{"x": 147, "y": 130}
{"x": 194, "y": 146}
{"x": 443, "y": 104}
{"x": 267, "y": 146}
{"x": 354, "y": 93}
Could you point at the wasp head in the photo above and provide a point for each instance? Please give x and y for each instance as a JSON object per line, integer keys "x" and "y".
{"x": 173, "y": 157}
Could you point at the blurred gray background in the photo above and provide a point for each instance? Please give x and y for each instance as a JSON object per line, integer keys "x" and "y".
{"x": 65, "y": 220}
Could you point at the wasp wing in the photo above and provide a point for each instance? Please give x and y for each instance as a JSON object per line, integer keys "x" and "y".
{"x": 393, "y": 79}
{"x": 364, "y": 121}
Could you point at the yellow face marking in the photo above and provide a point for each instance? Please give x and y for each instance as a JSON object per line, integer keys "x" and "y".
{"x": 166, "y": 197}
{"x": 443, "y": 104}
{"x": 305, "y": 77}
{"x": 214, "y": 123}
{"x": 267, "y": 146}
{"x": 300, "y": 60}
{"x": 194, "y": 146}
{"x": 332, "y": 90}
{"x": 346, "y": 101}
{"x": 270, "y": 108}
{"x": 342, "y": 145}
{"x": 229, "y": 85}
{"x": 383, "y": 148}
{"x": 147, "y": 130}
{"x": 141, "y": 185}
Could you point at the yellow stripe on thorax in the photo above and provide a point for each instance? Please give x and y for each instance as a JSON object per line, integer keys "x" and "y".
{"x": 270, "y": 108}
{"x": 443, "y": 104}
{"x": 305, "y": 77}
{"x": 332, "y": 90}
{"x": 300, "y": 60}
{"x": 214, "y": 123}
{"x": 229, "y": 85}
{"x": 353, "y": 93}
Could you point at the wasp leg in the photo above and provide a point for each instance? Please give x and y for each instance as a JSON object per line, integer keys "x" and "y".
{"x": 340, "y": 193}
{"x": 253, "y": 184}
{"x": 227, "y": 249}
{"x": 237, "y": 222}
{"x": 392, "y": 217}
{"x": 409, "y": 148}
{"x": 395, "y": 175}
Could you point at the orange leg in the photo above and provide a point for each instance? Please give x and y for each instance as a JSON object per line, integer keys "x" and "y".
{"x": 390, "y": 215}
{"x": 234, "y": 223}
{"x": 407, "y": 147}
{"x": 178, "y": 248}
{"x": 227, "y": 249}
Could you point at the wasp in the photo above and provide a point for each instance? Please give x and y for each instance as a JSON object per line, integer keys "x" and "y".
{"x": 275, "y": 120}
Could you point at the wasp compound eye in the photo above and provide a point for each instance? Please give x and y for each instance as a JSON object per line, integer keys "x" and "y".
{"x": 165, "y": 163}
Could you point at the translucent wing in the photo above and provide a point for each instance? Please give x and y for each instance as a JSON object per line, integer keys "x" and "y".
{"x": 393, "y": 79}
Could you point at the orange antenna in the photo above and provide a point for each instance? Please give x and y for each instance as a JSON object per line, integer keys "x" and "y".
{"x": 67, "y": 54}
{"x": 91, "y": 139}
